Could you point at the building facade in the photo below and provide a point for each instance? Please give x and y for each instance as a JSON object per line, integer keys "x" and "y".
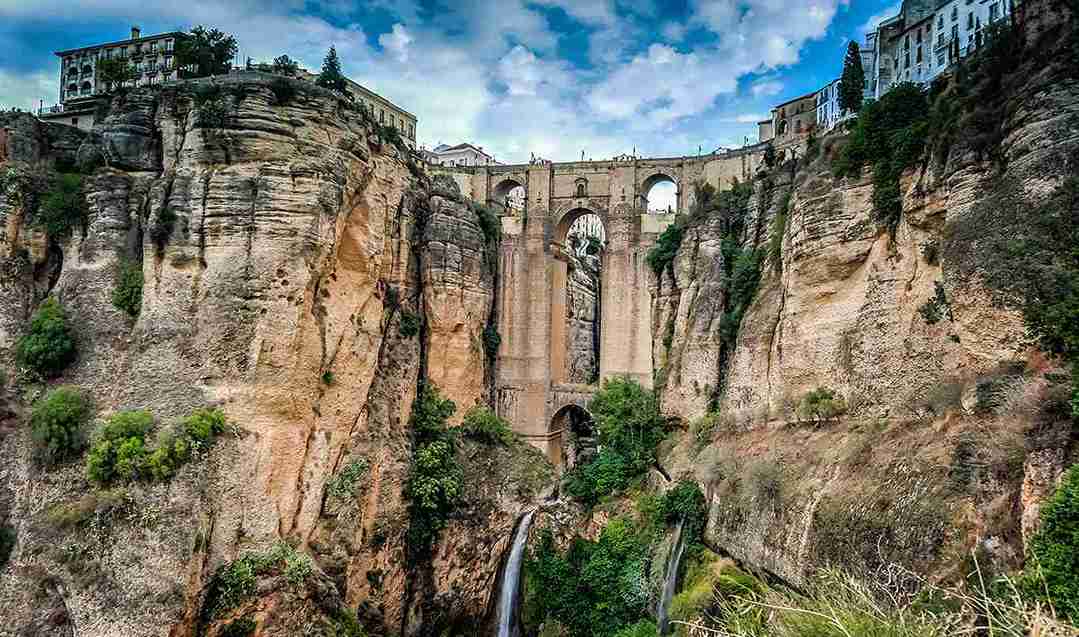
{"x": 460, "y": 155}
{"x": 381, "y": 109}
{"x": 927, "y": 38}
{"x": 791, "y": 122}
{"x": 151, "y": 57}
{"x": 828, "y": 112}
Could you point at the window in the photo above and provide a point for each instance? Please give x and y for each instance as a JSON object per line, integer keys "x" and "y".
{"x": 797, "y": 126}
{"x": 919, "y": 55}
{"x": 970, "y": 20}
{"x": 955, "y": 31}
{"x": 940, "y": 22}
{"x": 381, "y": 116}
{"x": 906, "y": 60}
{"x": 74, "y": 121}
{"x": 919, "y": 36}
{"x": 940, "y": 58}
{"x": 581, "y": 189}
{"x": 994, "y": 12}
{"x": 955, "y": 14}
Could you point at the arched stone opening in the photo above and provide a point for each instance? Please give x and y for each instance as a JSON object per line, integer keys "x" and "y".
{"x": 509, "y": 197}
{"x": 576, "y": 309}
{"x": 571, "y": 437}
{"x": 661, "y": 194}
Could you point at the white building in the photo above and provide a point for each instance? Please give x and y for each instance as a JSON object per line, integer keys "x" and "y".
{"x": 459, "y": 155}
{"x": 828, "y": 112}
{"x": 925, "y": 39}
{"x": 151, "y": 58}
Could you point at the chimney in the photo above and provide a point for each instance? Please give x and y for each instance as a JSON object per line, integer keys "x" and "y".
{"x": 135, "y": 32}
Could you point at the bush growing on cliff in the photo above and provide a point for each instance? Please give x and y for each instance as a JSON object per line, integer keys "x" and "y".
{"x": 284, "y": 91}
{"x": 409, "y": 325}
{"x": 685, "y": 503}
{"x": 56, "y": 424}
{"x": 1055, "y": 550}
{"x": 630, "y": 428}
{"x": 236, "y": 582}
{"x": 48, "y": 346}
{"x": 482, "y": 424}
{"x": 435, "y": 478}
{"x": 127, "y": 293}
{"x": 821, "y": 404}
{"x": 63, "y": 206}
{"x": 121, "y": 450}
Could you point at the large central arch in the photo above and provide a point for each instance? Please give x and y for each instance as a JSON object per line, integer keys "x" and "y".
{"x": 561, "y": 263}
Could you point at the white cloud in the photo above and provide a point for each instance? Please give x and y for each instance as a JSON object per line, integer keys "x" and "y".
{"x": 870, "y": 25}
{"x": 396, "y": 42}
{"x": 488, "y": 71}
{"x": 766, "y": 88}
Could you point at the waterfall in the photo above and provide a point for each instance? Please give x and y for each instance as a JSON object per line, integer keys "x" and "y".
{"x": 511, "y": 578}
{"x": 674, "y": 560}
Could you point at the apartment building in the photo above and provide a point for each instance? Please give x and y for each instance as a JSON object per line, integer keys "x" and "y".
{"x": 151, "y": 57}
{"x": 460, "y": 155}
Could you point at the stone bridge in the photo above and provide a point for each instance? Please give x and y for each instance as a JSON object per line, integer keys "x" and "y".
{"x": 532, "y": 382}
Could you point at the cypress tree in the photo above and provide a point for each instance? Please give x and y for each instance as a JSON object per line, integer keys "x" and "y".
{"x": 852, "y": 82}
{"x": 331, "y": 76}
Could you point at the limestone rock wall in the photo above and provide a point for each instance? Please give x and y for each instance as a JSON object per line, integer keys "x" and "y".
{"x": 843, "y": 313}
{"x": 288, "y": 256}
{"x": 582, "y": 312}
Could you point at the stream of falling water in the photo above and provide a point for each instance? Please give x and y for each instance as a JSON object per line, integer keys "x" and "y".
{"x": 511, "y": 576}
{"x": 671, "y": 581}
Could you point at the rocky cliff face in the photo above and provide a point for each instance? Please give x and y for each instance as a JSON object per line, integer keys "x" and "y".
{"x": 297, "y": 274}
{"x": 883, "y": 487}
{"x": 582, "y": 310}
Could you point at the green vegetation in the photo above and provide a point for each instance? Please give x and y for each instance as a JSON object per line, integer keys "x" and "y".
{"x": 685, "y": 503}
{"x": 1028, "y": 254}
{"x": 1055, "y": 551}
{"x": 775, "y": 234}
{"x": 492, "y": 340}
{"x": 821, "y": 404}
{"x": 242, "y": 627}
{"x": 936, "y": 308}
{"x": 205, "y": 52}
{"x": 327, "y": 378}
{"x": 409, "y": 325}
{"x": 121, "y": 451}
{"x": 643, "y": 628}
{"x": 662, "y": 255}
{"x": 127, "y": 294}
{"x": 331, "y": 76}
{"x": 212, "y": 107}
{"x": 740, "y": 286}
{"x": 595, "y": 588}
{"x": 115, "y": 72}
{"x": 56, "y": 424}
{"x": 629, "y": 429}
{"x": 99, "y": 507}
{"x": 284, "y": 91}
{"x": 435, "y": 477}
{"x": 889, "y": 137}
{"x": 48, "y": 347}
{"x": 852, "y": 81}
{"x": 284, "y": 65}
{"x": 482, "y": 424}
{"x": 343, "y": 485}
{"x": 236, "y": 582}
{"x": 7, "y": 544}
{"x": 63, "y": 206}
{"x": 764, "y": 479}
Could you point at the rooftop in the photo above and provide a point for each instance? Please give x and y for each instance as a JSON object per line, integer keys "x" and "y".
{"x": 156, "y": 36}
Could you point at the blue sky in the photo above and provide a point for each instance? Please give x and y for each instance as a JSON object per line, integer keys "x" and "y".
{"x": 550, "y": 77}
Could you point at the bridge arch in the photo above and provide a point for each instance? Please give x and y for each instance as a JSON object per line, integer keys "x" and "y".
{"x": 571, "y": 428}
{"x": 657, "y": 178}
{"x": 509, "y": 194}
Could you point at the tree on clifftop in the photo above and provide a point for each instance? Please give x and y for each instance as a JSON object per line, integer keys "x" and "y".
{"x": 852, "y": 83}
{"x": 331, "y": 76}
{"x": 203, "y": 52}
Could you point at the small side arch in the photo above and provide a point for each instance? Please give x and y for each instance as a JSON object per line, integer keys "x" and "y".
{"x": 658, "y": 178}
{"x": 509, "y": 194}
{"x": 570, "y": 435}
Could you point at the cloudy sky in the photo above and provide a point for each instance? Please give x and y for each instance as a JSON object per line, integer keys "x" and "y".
{"x": 550, "y": 77}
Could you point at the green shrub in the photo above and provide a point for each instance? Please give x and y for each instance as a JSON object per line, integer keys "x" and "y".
{"x": 936, "y": 308}
{"x": 242, "y": 627}
{"x": 775, "y": 236}
{"x": 435, "y": 480}
{"x": 284, "y": 91}
{"x": 102, "y": 506}
{"x": 343, "y": 485}
{"x": 482, "y": 424}
{"x": 121, "y": 451}
{"x": 56, "y": 424}
{"x": 821, "y": 404}
{"x": 48, "y": 346}
{"x": 662, "y": 255}
{"x": 492, "y": 340}
{"x": 740, "y": 288}
{"x": 643, "y": 628}
{"x": 490, "y": 224}
{"x": 1055, "y": 550}
{"x": 327, "y": 378}
{"x": 63, "y": 206}
{"x": 410, "y": 324}
{"x": 685, "y": 503}
{"x": 629, "y": 429}
{"x": 127, "y": 294}
{"x": 7, "y": 544}
{"x": 595, "y": 588}
{"x": 236, "y": 582}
